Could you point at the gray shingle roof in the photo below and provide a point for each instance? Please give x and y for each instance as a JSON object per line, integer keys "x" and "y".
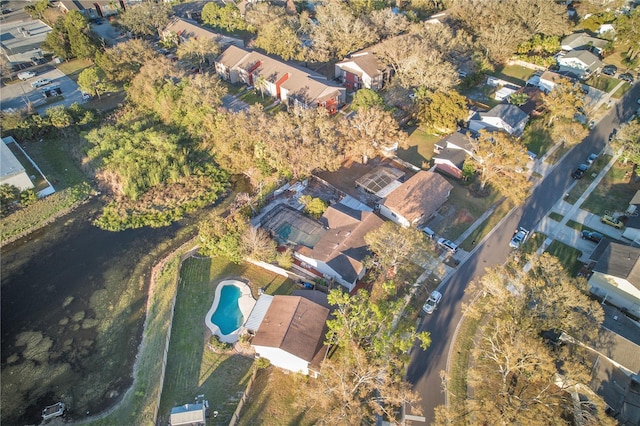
{"x": 510, "y": 114}
{"x": 620, "y": 261}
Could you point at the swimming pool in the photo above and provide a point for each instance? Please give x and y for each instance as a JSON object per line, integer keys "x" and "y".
{"x": 231, "y": 307}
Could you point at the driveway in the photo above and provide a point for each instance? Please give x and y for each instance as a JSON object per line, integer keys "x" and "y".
{"x": 16, "y": 95}
{"x": 234, "y": 104}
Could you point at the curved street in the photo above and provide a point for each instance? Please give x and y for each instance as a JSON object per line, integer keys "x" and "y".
{"x": 425, "y": 366}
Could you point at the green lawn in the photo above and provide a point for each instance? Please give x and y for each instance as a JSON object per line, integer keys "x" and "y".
{"x": 514, "y": 73}
{"x": 420, "y": 148}
{"x": 567, "y": 255}
{"x": 73, "y": 68}
{"x": 556, "y": 216}
{"x": 537, "y": 138}
{"x": 192, "y": 368}
{"x": 613, "y": 192}
{"x": 603, "y": 82}
{"x": 621, "y": 90}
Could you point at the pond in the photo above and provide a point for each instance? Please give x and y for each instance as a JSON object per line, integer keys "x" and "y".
{"x": 72, "y": 315}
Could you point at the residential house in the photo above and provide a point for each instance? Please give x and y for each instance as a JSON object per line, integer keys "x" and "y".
{"x": 451, "y": 153}
{"x": 579, "y": 62}
{"x": 547, "y": 81}
{"x": 632, "y": 228}
{"x": 583, "y": 41}
{"x": 506, "y": 117}
{"x": 534, "y": 105}
{"x": 333, "y": 247}
{"x": 417, "y": 199}
{"x": 616, "y": 276}
{"x": 381, "y": 181}
{"x": 291, "y": 334}
{"x": 363, "y": 70}
{"x": 294, "y": 86}
{"x": 180, "y": 30}
{"x": 11, "y": 171}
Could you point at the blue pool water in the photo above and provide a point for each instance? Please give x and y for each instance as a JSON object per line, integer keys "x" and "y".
{"x": 228, "y": 316}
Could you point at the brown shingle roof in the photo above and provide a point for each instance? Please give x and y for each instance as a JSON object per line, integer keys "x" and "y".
{"x": 419, "y": 196}
{"x": 366, "y": 61}
{"x": 295, "y": 325}
{"x": 620, "y": 261}
{"x": 342, "y": 247}
{"x": 187, "y": 29}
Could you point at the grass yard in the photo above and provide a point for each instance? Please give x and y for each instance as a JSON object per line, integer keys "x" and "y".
{"x": 556, "y": 216}
{"x": 604, "y": 83}
{"x": 273, "y": 400}
{"x": 614, "y": 191}
{"x": 537, "y": 138}
{"x": 533, "y": 243}
{"x": 485, "y": 227}
{"x": 53, "y": 158}
{"x": 420, "y": 148}
{"x": 568, "y": 257}
{"x": 514, "y": 73}
{"x": 621, "y": 90}
{"x": 73, "y": 68}
{"x": 192, "y": 368}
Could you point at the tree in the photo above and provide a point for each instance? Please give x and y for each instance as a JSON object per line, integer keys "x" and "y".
{"x": 372, "y": 131}
{"x": 59, "y": 117}
{"x": 199, "y": 51}
{"x": 386, "y": 23}
{"x": 362, "y": 378}
{"x": 627, "y": 141}
{"x": 148, "y": 18}
{"x": 223, "y": 237}
{"x": 8, "y": 195}
{"x": 394, "y": 246}
{"x": 367, "y": 98}
{"x": 518, "y": 98}
{"x": 227, "y": 17}
{"x": 564, "y": 101}
{"x": 279, "y": 38}
{"x": 122, "y": 62}
{"x": 570, "y": 132}
{"x": 256, "y": 244}
{"x": 500, "y": 162}
{"x": 628, "y": 35}
{"x": 36, "y": 10}
{"x": 516, "y": 376}
{"x": 338, "y": 33}
{"x": 94, "y": 80}
{"x": 313, "y": 206}
{"x": 71, "y": 37}
{"x": 442, "y": 111}
{"x": 501, "y": 31}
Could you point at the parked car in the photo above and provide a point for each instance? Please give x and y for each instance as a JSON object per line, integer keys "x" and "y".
{"x": 448, "y": 245}
{"x": 592, "y": 124}
{"x": 592, "y": 236}
{"x": 26, "y": 75}
{"x": 626, "y": 77}
{"x": 591, "y": 159}
{"x": 519, "y": 237}
{"x": 579, "y": 171}
{"x": 609, "y": 70}
{"x": 41, "y": 82}
{"x": 611, "y": 221}
{"x": 432, "y": 302}
{"x": 613, "y": 134}
{"x": 428, "y": 232}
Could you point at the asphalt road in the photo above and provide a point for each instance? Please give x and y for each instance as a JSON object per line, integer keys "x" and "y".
{"x": 425, "y": 367}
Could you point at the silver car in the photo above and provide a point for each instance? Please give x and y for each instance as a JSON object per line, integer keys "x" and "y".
{"x": 432, "y": 302}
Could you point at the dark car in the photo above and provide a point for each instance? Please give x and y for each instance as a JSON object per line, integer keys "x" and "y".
{"x": 592, "y": 236}
{"x": 626, "y": 77}
{"x": 609, "y": 70}
{"x": 613, "y": 134}
{"x": 579, "y": 172}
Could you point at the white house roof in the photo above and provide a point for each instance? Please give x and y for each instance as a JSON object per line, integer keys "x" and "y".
{"x": 9, "y": 164}
{"x": 187, "y": 414}
{"x": 365, "y": 62}
{"x": 258, "y": 312}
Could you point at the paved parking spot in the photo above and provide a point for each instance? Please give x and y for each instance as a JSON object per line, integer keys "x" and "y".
{"x": 16, "y": 95}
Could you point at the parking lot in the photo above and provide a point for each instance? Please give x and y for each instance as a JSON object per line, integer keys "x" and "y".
{"x": 17, "y": 94}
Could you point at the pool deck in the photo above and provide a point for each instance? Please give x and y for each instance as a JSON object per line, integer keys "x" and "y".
{"x": 246, "y": 302}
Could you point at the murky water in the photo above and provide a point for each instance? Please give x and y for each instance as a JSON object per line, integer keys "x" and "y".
{"x": 71, "y": 316}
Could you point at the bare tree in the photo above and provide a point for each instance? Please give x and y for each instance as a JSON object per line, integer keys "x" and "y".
{"x": 257, "y": 244}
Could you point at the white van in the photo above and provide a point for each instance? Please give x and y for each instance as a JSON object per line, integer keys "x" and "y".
{"x": 428, "y": 232}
